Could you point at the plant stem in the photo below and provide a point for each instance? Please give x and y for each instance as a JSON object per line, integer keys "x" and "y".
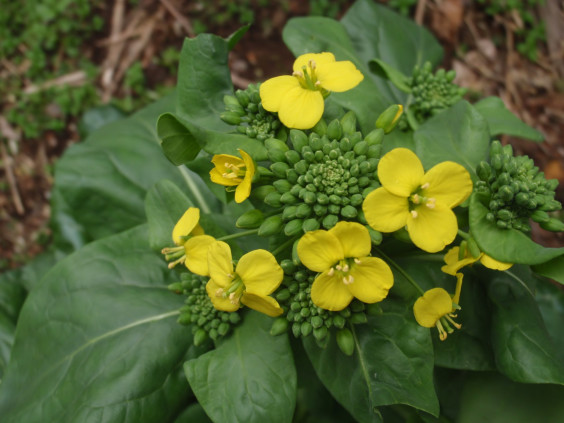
{"x": 399, "y": 269}
{"x": 464, "y": 235}
{"x": 282, "y": 246}
{"x": 238, "y": 235}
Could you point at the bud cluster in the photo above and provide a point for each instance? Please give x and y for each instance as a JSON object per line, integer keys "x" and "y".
{"x": 207, "y": 322}
{"x": 245, "y": 111}
{"x": 516, "y": 191}
{"x": 432, "y": 93}
{"x": 324, "y": 178}
{"x": 302, "y": 315}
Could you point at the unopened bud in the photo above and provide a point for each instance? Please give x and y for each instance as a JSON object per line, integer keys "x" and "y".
{"x": 345, "y": 341}
{"x": 389, "y": 118}
{"x": 250, "y": 219}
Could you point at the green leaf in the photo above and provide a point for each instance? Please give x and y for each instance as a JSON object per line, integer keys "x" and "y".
{"x": 507, "y": 245}
{"x": 550, "y": 299}
{"x": 553, "y": 269}
{"x": 459, "y": 134}
{"x": 101, "y": 183}
{"x": 236, "y": 36}
{"x": 193, "y": 414}
{"x": 523, "y": 349}
{"x": 392, "y": 364}
{"x": 489, "y": 397}
{"x": 383, "y": 70}
{"x": 502, "y": 121}
{"x": 366, "y": 32}
{"x": 178, "y": 143}
{"x": 250, "y": 377}
{"x": 97, "y": 340}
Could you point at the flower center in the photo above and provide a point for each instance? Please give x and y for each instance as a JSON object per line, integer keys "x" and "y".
{"x": 343, "y": 268}
{"x": 234, "y": 171}
{"x": 444, "y": 324}
{"x": 418, "y": 199}
{"x": 234, "y": 290}
{"x": 308, "y": 78}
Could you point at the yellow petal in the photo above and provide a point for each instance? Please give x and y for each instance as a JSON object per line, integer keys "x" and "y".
{"x": 338, "y": 76}
{"x": 400, "y": 171}
{"x": 301, "y": 108}
{"x": 434, "y": 304}
{"x": 216, "y": 174}
{"x": 494, "y": 264}
{"x": 318, "y": 58}
{"x": 198, "y": 230}
{"x": 260, "y": 272}
{"x": 330, "y": 293}
{"x": 449, "y": 184}
{"x": 385, "y": 211}
{"x": 273, "y": 91}
{"x": 453, "y": 264}
{"x": 244, "y": 189}
{"x": 185, "y": 225}
{"x": 265, "y": 305}
{"x": 319, "y": 250}
{"x": 354, "y": 238}
{"x": 372, "y": 280}
{"x": 220, "y": 263}
{"x": 197, "y": 254}
{"x": 219, "y": 302}
{"x": 432, "y": 229}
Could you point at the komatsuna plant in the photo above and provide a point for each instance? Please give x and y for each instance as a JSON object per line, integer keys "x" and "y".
{"x": 346, "y": 242}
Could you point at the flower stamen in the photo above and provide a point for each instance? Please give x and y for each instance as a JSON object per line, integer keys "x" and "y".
{"x": 414, "y": 214}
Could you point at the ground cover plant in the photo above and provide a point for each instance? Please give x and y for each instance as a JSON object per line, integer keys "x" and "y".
{"x": 384, "y": 269}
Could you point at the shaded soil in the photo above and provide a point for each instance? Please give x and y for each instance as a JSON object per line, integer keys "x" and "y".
{"x": 481, "y": 48}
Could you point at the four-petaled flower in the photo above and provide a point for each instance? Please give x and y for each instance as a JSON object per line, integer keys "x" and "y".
{"x": 231, "y": 171}
{"x": 422, "y": 201}
{"x": 192, "y": 243}
{"x": 256, "y": 276}
{"x": 340, "y": 255}
{"x": 299, "y": 98}
{"x": 436, "y": 308}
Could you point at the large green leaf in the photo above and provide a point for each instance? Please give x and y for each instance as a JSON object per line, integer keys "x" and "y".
{"x": 502, "y": 121}
{"x": 489, "y": 397}
{"x": 366, "y": 32}
{"x": 100, "y": 184}
{"x": 553, "y": 269}
{"x": 97, "y": 340}
{"x": 522, "y": 346}
{"x": 459, "y": 134}
{"x": 507, "y": 245}
{"x": 250, "y": 377}
{"x": 392, "y": 364}
{"x": 550, "y": 299}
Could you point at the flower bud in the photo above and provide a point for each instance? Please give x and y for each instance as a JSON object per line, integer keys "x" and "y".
{"x": 279, "y": 169}
{"x": 484, "y": 171}
{"x": 274, "y": 143}
{"x": 310, "y": 225}
{"x": 270, "y": 226}
{"x": 293, "y": 227}
{"x": 200, "y": 337}
{"x": 273, "y": 199}
{"x": 279, "y": 326}
{"x": 389, "y": 118}
{"x": 553, "y": 225}
{"x": 298, "y": 139}
{"x": 374, "y": 137}
{"x": 348, "y": 123}
{"x": 306, "y": 328}
{"x": 334, "y": 130}
{"x": 250, "y": 219}
{"x": 345, "y": 341}
{"x": 231, "y": 118}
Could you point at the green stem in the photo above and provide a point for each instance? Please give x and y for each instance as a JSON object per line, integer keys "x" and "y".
{"x": 282, "y": 246}
{"x": 238, "y": 235}
{"x": 399, "y": 269}
{"x": 464, "y": 235}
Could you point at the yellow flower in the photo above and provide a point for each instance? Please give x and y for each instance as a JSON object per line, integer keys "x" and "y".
{"x": 299, "y": 99}
{"x": 341, "y": 256}
{"x": 435, "y": 308}
{"x": 422, "y": 201}
{"x": 231, "y": 171}
{"x": 192, "y": 244}
{"x": 256, "y": 276}
{"x": 454, "y": 262}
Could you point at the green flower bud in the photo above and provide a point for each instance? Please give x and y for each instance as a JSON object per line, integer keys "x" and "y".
{"x": 389, "y": 118}
{"x": 373, "y": 309}
{"x": 250, "y": 219}
{"x": 184, "y": 319}
{"x": 345, "y": 341}
{"x": 231, "y": 118}
{"x": 223, "y": 329}
{"x": 496, "y": 162}
{"x": 349, "y": 212}
{"x": 361, "y": 147}
{"x": 348, "y": 122}
{"x": 553, "y": 225}
{"x": 288, "y": 198}
{"x": 345, "y": 145}
{"x": 320, "y": 333}
{"x": 275, "y": 144}
{"x": 329, "y": 221}
{"x": 297, "y": 330}
{"x": 292, "y": 157}
{"x": 275, "y": 155}
{"x": 292, "y": 176}
{"x": 273, "y": 199}
{"x": 289, "y": 212}
{"x": 320, "y": 128}
{"x": 484, "y": 171}
{"x": 339, "y": 321}
{"x": 375, "y": 137}
{"x": 243, "y": 98}
{"x": 310, "y": 225}
{"x": 175, "y": 287}
{"x": 306, "y": 328}
{"x": 271, "y": 226}
{"x": 375, "y": 236}
{"x": 279, "y": 326}
{"x": 522, "y": 198}
{"x": 303, "y": 211}
{"x": 496, "y": 148}
{"x": 282, "y": 185}
{"x": 298, "y": 139}
{"x": 374, "y": 151}
{"x": 200, "y": 337}
{"x": 293, "y": 227}
{"x": 473, "y": 248}
{"x": 279, "y": 169}
{"x": 540, "y": 216}
{"x": 301, "y": 167}
{"x": 334, "y": 130}
{"x": 505, "y": 193}
{"x": 358, "y": 318}
{"x": 334, "y": 209}
{"x": 230, "y": 100}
